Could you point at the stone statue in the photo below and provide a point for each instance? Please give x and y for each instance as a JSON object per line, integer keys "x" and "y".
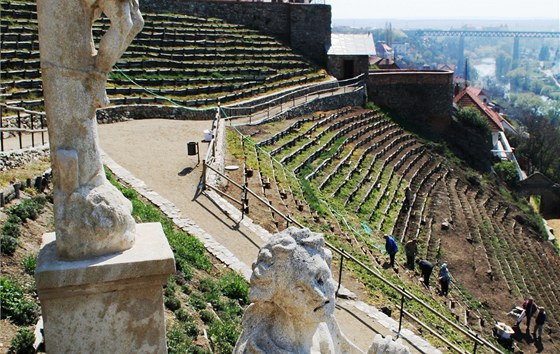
{"x": 92, "y": 217}
{"x": 293, "y": 300}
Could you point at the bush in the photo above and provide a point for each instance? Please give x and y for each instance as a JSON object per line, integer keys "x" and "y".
{"x": 197, "y": 302}
{"x": 235, "y": 287}
{"x": 15, "y": 304}
{"x": 207, "y": 316}
{"x": 27, "y": 209}
{"x": 29, "y": 264}
{"x": 507, "y": 171}
{"x": 11, "y": 229}
{"x": 224, "y": 334}
{"x": 22, "y": 343}
{"x": 177, "y": 340}
{"x": 8, "y": 244}
{"x": 471, "y": 117}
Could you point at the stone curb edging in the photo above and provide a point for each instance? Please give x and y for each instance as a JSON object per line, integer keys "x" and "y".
{"x": 184, "y": 223}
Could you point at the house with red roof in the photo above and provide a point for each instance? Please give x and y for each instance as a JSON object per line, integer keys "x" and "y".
{"x": 475, "y": 97}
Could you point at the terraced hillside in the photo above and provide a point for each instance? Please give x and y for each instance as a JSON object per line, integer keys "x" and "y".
{"x": 186, "y": 60}
{"x": 355, "y": 174}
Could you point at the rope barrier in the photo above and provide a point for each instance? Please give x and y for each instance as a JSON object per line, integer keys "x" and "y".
{"x": 158, "y": 95}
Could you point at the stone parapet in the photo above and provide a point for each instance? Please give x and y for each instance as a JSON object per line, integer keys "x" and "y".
{"x": 106, "y": 304}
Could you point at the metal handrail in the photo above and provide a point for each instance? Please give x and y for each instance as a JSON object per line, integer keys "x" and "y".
{"x": 291, "y": 95}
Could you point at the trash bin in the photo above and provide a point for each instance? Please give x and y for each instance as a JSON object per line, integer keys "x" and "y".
{"x": 208, "y": 135}
{"x": 191, "y": 148}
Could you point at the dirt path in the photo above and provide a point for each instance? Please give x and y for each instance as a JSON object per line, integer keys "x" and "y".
{"x": 155, "y": 151}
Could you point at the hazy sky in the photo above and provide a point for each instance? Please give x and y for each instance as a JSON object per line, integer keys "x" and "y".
{"x": 451, "y": 9}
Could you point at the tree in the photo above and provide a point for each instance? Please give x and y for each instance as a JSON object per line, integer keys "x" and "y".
{"x": 503, "y": 65}
{"x": 507, "y": 172}
{"x": 542, "y": 146}
{"x": 544, "y": 54}
{"x": 471, "y": 117}
{"x": 527, "y": 105}
{"x": 472, "y": 74}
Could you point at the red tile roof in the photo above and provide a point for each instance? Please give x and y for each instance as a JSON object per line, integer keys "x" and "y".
{"x": 469, "y": 97}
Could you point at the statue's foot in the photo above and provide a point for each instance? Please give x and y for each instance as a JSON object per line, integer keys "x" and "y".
{"x": 94, "y": 221}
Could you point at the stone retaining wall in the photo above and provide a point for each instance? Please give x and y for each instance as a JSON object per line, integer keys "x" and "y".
{"x": 355, "y": 98}
{"x": 15, "y": 158}
{"x": 146, "y": 111}
{"x": 305, "y": 28}
{"x": 418, "y": 95}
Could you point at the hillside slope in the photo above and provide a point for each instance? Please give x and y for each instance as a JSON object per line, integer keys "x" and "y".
{"x": 358, "y": 170}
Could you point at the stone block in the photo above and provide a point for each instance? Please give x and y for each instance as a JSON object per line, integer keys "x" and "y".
{"x": 106, "y": 304}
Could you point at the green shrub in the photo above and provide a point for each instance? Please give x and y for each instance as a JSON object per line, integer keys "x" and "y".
{"x": 15, "y": 304}
{"x": 29, "y": 264}
{"x": 471, "y": 117}
{"x": 507, "y": 171}
{"x": 370, "y": 105}
{"x": 172, "y": 303}
{"x": 207, "y": 316}
{"x": 27, "y": 209}
{"x": 8, "y": 244}
{"x": 182, "y": 315}
{"x": 129, "y": 193}
{"x": 177, "y": 340}
{"x": 11, "y": 229}
{"x": 169, "y": 298}
{"x": 208, "y": 285}
{"x": 235, "y": 287}
{"x": 197, "y": 302}
{"x": 22, "y": 343}
{"x": 223, "y": 334}
{"x": 231, "y": 310}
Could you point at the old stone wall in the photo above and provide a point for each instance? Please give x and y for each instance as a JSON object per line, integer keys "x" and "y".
{"x": 15, "y": 158}
{"x": 305, "y": 28}
{"x": 145, "y": 111}
{"x": 335, "y": 65}
{"x": 425, "y": 97}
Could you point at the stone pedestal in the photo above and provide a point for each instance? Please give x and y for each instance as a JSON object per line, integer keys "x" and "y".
{"x": 107, "y": 304}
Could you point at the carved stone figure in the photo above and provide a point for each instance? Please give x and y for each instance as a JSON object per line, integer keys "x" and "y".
{"x": 293, "y": 299}
{"x": 92, "y": 217}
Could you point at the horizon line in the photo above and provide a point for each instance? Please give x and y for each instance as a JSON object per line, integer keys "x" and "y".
{"x": 448, "y": 18}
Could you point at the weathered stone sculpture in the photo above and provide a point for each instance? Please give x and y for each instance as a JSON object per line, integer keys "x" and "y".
{"x": 293, "y": 300}
{"x": 99, "y": 276}
{"x": 91, "y": 216}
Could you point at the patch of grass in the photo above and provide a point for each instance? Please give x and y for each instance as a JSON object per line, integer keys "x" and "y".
{"x": 22, "y": 343}
{"x": 17, "y": 304}
{"x": 29, "y": 264}
{"x": 31, "y": 170}
{"x": 234, "y": 286}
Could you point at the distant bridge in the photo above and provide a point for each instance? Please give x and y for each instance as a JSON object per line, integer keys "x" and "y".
{"x": 471, "y": 33}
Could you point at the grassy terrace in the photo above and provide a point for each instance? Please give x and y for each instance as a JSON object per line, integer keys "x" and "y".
{"x": 337, "y": 213}
{"x": 193, "y": 61}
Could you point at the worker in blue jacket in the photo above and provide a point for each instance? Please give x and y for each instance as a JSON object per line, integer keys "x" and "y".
{"x": 392, "y": 248}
